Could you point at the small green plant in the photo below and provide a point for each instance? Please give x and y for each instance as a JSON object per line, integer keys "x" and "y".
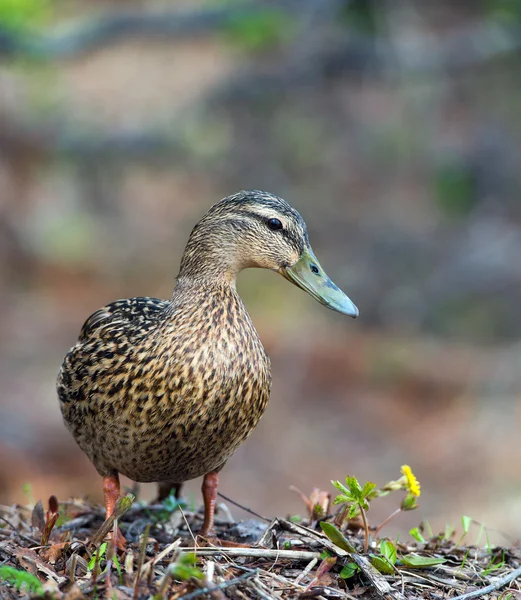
{"x": 22, "y": 580}
{"x": 496, "y": 562}
{"x": 465, "y": 522}
{"x": 24, "y": 14}
{"x": 183, "y": 568}
{"x": 387, "y": 559}
{"x": 264, "y": 29}
{"x": 97, "y": 557}
{"x": 417, "y": 535}
{"x": 356, "y": 498}
{"x": 349, "y": 570}
{"x": 336, "y": 536}
{"x": 102, "y": 554}
{"x": 416, "y": 561}
{"x": 170, "y": 504}
{"x": 295, "y": 518}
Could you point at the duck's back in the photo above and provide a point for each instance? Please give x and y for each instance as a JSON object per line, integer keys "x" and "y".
{"x": 163, "y": 391}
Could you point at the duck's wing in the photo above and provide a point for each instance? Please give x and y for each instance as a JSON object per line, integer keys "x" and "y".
{"x": 137, "y": 313}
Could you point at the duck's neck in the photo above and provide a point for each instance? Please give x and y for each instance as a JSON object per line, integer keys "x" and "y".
{"x": 210, "y": 259}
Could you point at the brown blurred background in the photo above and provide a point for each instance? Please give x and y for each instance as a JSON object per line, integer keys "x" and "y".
{"x": 394, "y": 127}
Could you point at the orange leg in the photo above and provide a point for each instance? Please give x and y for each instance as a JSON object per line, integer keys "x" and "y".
{"x": 111, "y": 492}
{"x": 209, "y": 489}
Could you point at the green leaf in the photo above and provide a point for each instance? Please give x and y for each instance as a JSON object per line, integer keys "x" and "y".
{"x": 388, "y": 550}
{"x": 421, "y": 562}
{"x": 171, "y": 503}
{"x": 354, "y": 511}
{"x": 184, "y": 568}
{"x": 466, "y": 521}
{"x": 368, "y": 488}
{"x": 382, "y": 564}
{"x": 21, "y": 579}
{"x": 341, "y": 488}
{"x": 115, "y": 560}
{"x": 354, "y": 487}
{"x": 342, "y": 499}
{"x": 24, "y": 14}
{"x": 349, "y": 570}
{"x": 97, "y": 556}
{"x": 409, "y": 502}
{"x": 417, "y": 535}
{"x": 336, "y": 536}
{"x": 267, "y": 27}
{"x": 183, "y": 572}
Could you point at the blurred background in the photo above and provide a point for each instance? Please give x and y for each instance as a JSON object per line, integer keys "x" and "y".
{"x": 394, "y": 127}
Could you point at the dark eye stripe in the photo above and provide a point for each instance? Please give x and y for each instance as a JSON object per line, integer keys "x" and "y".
{"x": 287, "y": 234}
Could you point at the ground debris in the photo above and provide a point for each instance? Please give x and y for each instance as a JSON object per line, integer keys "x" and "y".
{"x": 251, "y": 559}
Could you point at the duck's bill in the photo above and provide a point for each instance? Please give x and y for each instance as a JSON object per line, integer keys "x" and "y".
{"x": 308, "y": 275}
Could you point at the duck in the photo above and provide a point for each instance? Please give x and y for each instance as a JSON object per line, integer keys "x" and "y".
{"x": 166, "y": 390}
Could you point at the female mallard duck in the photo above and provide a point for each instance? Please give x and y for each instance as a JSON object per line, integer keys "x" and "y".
{"x": 166, "y": 391}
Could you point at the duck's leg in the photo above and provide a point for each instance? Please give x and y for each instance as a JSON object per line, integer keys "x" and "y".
{"x": 165, "y": 488}
{"x": 111, "y": 492}
{"x": 209, "y": 489}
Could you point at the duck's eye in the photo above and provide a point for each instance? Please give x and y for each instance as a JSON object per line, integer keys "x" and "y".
{"x": 274, "y": 224}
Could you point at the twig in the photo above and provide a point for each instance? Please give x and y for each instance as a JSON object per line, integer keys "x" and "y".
{"x": 245, "y": 508}
{"x": 499, "y": 583}
{"x": 278, "y": 577}
{"x": 16, "y": 532}
{"x": 380, "y": 584}
{"x": 220, "y": 586}
{"x": 187, "y": 525}
{"x": 305, "y": 572}
{"x": 255, "y": 553}
{"x": 260, "y": 589}
{"x": 160, "y": 556}
{"x": 141, "y": 560}
{"x": 121, "y": 508}
{"x": 314, "y": 535}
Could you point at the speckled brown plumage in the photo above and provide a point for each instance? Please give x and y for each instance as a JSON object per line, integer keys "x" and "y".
{"x": 157, "y": 398}
{"x": 167, "y": 390}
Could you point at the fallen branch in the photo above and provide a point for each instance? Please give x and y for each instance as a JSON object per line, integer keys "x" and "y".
{"x": 218, "y": 587}
{"x": 380, "y": 584}
{"x": 499, "y": 583}
{"x": 255, "y": 553}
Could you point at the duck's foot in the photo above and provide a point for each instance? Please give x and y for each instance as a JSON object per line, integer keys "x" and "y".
{"x": 209, "y": 489}
{"x": 111, "y": 491}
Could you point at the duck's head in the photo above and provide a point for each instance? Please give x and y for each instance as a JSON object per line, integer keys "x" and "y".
{"x": 257, "y": 229}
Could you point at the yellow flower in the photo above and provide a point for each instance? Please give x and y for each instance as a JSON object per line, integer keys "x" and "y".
{"x": 413, "y": 485}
